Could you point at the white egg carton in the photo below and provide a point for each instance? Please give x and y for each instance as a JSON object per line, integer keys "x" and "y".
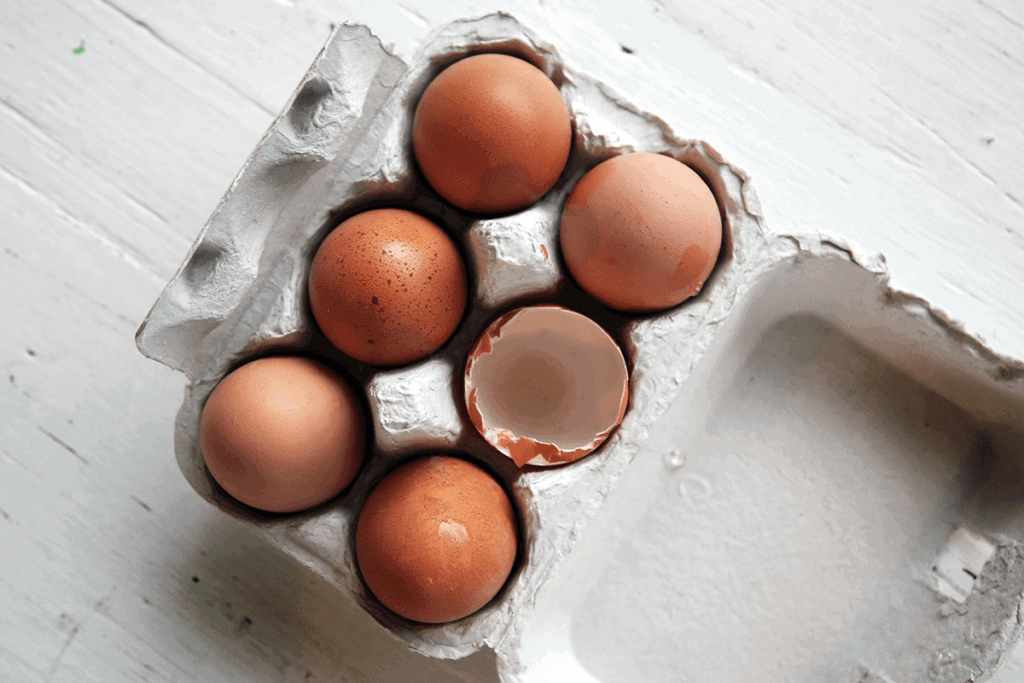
{"x": 343, "y": 144}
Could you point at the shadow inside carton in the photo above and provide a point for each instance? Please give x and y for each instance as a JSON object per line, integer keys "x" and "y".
{"x": 994, "y": 500}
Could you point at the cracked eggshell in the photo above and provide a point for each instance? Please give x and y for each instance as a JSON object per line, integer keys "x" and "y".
{"x": 545, "y": 385}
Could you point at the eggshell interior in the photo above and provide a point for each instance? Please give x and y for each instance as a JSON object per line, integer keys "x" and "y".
{"x": 545, "y": 385}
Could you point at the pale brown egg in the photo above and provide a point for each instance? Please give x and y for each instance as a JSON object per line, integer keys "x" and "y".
{"x": 491, "y": 133}
{"x": 436, "y": 539}
{"x": 545, "y": 385}
{"x": 282, "y": 434}
{"x": 641, "y": 232}
{"x": 388, "y": 287}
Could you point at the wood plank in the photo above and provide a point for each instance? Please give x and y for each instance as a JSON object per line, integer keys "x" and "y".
{"x": 896, "y": 125}
{"x": 129, "y": 121}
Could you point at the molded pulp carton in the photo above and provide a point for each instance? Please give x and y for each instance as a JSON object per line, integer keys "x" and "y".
{"x": 817, "y": 478}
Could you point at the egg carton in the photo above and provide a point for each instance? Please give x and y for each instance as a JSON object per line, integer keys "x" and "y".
{"x": 342, "y": 145}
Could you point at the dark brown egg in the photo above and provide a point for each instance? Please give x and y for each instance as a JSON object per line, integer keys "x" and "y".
{"x": 491, "y": 133}
{"x": 436, "y": 539}
{"x": 388, "y": 287}
{"x": 282, "y": 434}
{"x": 641, "y": 232}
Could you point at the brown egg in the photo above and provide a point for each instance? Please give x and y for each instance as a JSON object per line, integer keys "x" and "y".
{"x": 545, "y": 385}
{"x": 436, "y": 539}
{"x": 641, "y": 232}
{"x": 282, "y": 434}
{"x": 491, "y": 133}
{"x": 388, "y": 287}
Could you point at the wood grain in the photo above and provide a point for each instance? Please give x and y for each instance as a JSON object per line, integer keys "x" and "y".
{"x": 897, "y": 125}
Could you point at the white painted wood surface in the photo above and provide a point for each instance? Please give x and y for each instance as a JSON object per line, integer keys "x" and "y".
{"x": 898, "y": 125}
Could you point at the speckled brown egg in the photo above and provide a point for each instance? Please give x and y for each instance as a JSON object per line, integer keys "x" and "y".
{"x": 388, "y": 287}
{"x": 282, "y": 434}
{"x": 641, "y": 232}
{"x": 491, "y": 133}
{"x": 436, "y": 539}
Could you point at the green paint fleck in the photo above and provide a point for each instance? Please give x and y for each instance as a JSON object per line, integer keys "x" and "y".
{"x": 80, "y": 49}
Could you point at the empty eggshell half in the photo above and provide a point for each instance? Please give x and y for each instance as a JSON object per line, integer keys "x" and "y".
{"x": 545, "y": 385}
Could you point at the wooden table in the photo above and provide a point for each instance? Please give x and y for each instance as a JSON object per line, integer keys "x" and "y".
{"x": 897, "y": 125}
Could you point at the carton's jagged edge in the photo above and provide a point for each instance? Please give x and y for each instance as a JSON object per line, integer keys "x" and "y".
{"x": 1000, "y": 367}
